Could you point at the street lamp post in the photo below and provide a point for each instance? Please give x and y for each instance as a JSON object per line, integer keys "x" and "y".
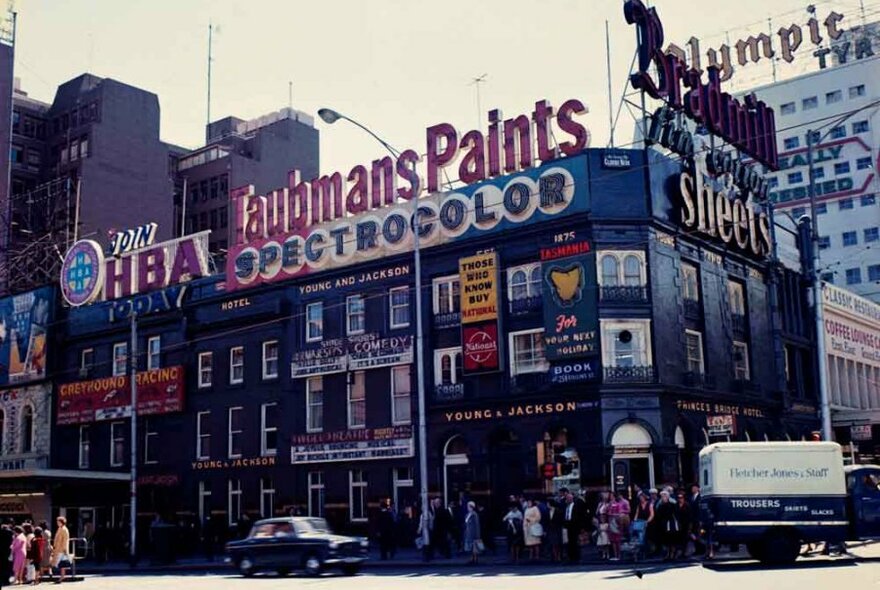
{"x": 134, "y": 440}
{"x": 330, "y": 116}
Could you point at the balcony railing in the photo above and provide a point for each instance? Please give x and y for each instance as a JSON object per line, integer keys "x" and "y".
{"x": 530, "y": 381}
{"x": 526, "y": 305}
{"x": 448, "y": 392}
{"x": 624, "y": 294}
{"x": 636, "y": 374}
{"x": 447, "y": 320}
{"x": 693, "y": 379}
{"x": 692, "y": 309}
{"x": 739, "y": 325}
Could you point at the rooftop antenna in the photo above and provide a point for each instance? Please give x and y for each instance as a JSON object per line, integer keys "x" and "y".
{"x": 210, "y": 59}
{"x": 610, "y": 107}
{"x": 290, "y": 94}
{"x": 475, "y": 82}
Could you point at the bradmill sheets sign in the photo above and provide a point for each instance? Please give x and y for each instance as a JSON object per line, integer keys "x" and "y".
{"x": 24, "y": 324}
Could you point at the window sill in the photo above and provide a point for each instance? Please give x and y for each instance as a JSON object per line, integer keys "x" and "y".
{"x": 270, "y": 378}
{"x": 400, "y": 327}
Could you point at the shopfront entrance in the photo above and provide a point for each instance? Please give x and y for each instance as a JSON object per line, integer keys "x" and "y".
{"x": 632, "y": 462}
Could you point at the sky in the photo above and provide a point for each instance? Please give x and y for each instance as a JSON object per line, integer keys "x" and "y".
{"x": 397, "y": 66}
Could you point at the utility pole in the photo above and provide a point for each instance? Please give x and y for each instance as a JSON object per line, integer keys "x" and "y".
{"x": 134, "y": 439}
{"x": 210, "y": 48}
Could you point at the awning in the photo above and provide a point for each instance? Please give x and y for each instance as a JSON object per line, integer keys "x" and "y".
{"x": 855, "y": 417}
{"x": 63, "y": 474}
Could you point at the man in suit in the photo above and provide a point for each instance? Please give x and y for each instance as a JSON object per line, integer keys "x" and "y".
{"x": 696, "y": 520}
{"x": 442, "y": 528}
{"x": 575, "y": 519}
{"x": 5, "y": 543}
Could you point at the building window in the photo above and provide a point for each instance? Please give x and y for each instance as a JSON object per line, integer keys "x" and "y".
{"x": 27, "y": 429}
{"x": 206, "y": 369}
{"x": 402, "y": 478}
{"x": 857, "y": 91}
{"x": 316, "y": 494}
{"x": 795, "y": 177}
{"x": 523, "y": 282}
{"x": 527, "y": 352}
{"x": 269, "y": 429}
{"x": 773, "y": 182}
{"x": 355, "y": 315}
{"x": 690, "y": 283}
{"x": 841, "y": 168}
{"x": 828, "y": 277}
{"x": 357, "y": 496}
{"x": 151, "y": 442}
{"x": 874, "y": 272}
{"x": 270, "y": 359}
{"x": 314, "y": 321}
{"x": 447, "y": 366}
{"x": 838, "y": 132}
{"x": 120, "y": 358}
{"x": 235, "y": 433}
{"x": 357, "y": 400}
{"x": 204, "y": 503}
{"x": 741, "y": 361}
{"x": 853, "y": 276}
{"x": 864, "y": 163}
{"x": 315, "y": 404}
{"x": 872, "y": 234}
{"x": 398, "y": 300}
{"x": 267, "y": 497}
{"x": 811, "y": 102}
{"x": 824, "y": 242}
{"x": 818, "y": 172}
{"x": 791, "y": 143}
{"x": 737, "y": 298}
{"x": 446, "y": 297}
{"x": 845, "y": 204}
{"x": 622, "y": 268}
{"x": 203, "y": 435}
{"x": 117, "y": 444}
{"x": 860, "y": 127}
{"x": 787, "y": 108}
{"x": 154, "y": 353}
{"x": 401, "y": 395}
{"x": 850, "y": 238}
{"x": 833, "y": 96}
{"x": 694, "y": 343}
{"x": 236, "y": 365}
{"x": 625, "y": 343}
{"x": 86, "y": 362}
{"x": 85, "y": 446}
{"x": 233, "y": 501}
{"x": 798, "y": 212}
{"x": 821, "y": 209}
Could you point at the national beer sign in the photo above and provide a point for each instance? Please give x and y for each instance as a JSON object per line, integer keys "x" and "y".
{"x": 478, "y": 292}
{"x": 88, "y": 275}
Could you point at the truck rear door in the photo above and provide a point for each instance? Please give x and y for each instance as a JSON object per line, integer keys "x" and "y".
{"x": 866, "y": 503}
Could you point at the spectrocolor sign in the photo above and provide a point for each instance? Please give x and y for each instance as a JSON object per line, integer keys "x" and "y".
{"x": 160, "y": 391}
{"x": 87, "y": 275}
{"x": 259, "y": 255}
{"x": 479, "y": 287}
{"x": 24, "y": 321}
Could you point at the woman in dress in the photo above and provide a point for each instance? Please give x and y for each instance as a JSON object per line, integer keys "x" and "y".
{"x": 513, "y": 525}
{"x": 668, "y": 525}
{"x": 472, "y": 539}
{"x": 643, "y": 517}
{"x": 533, "y": 531}
{"x": 19, "y": 555}
{"x": 35, "y": 553}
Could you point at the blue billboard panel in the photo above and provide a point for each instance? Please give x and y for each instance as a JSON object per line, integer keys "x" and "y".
{"x": 24, "y": 326}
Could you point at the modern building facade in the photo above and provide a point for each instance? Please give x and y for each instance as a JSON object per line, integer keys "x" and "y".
{"x": 602, "y": 347}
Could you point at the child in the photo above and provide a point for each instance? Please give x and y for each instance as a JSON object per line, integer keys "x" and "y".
{"x": 602, "y": 540}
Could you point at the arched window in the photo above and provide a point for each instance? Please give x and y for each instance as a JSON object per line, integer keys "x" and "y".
{"x": 446, "y": 369}
{"x": 609, "y": 271}
{"x": 2, "y": 432}
{"x": 632, "y": 271}
{"x": 27, "y": 429}
{"x": 535, "y": 281}
{"x": 519, "y": 288}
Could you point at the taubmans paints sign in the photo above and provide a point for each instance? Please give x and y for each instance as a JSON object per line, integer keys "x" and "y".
{"x": 87, "y": 275}
{"x": 311, "y": 226}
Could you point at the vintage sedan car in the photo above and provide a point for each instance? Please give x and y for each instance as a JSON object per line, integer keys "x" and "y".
{"x": 304, "y": 543}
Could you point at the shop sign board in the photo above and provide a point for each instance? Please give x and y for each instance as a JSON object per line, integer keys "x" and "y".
{"x": 353, "y": 445}
{"x": 852, "y": 326}
{"x": 721, "y": 425}
{"x": 328, "y": 358}
{"x": 517, "y": 410}
{"x": 371, "y": 351}
{"x": 24, "y": 324}
{"x": 861, "y": 432}
{"x": 479, "y": 280}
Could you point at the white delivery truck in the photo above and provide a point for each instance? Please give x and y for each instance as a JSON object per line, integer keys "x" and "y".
{"x": 775, "y": 496}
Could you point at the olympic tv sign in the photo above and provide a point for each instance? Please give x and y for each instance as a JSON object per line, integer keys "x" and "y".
{"x": 88, "y": 275}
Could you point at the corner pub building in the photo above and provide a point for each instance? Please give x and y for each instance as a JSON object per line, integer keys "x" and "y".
{"x": 582, "y": 337}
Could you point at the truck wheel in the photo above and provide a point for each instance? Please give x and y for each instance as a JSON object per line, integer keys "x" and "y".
{"x": 781, "y": 547}
{"x": 756, "y": 550}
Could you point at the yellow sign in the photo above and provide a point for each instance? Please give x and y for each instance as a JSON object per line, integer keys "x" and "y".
{"x": 478, "y": 276}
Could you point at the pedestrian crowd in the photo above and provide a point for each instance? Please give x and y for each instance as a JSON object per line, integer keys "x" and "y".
{"x": 32, "y": 553}
{"x": 631, "y": 523}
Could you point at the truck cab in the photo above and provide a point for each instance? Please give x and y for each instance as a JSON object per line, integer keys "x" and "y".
{"x": 863, "y": 500}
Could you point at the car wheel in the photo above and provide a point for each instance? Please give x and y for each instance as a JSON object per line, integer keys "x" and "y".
{"x": 283, "y": 571}
{"x": 246, "y": 566}
{"x": 351, "y": 569}
{"x": 312, "y": 565}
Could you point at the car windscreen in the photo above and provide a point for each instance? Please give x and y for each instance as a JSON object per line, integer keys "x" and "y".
{"x": 312, "y": 525}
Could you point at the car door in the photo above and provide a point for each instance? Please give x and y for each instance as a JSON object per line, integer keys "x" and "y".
{"x": 866, "y": 499}
{"x": 289, "y": 554}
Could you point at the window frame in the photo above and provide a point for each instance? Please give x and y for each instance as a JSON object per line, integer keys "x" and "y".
{"x": 439, "y": 354}
{"x": 204, "y": 501}
{"x": 265, "y": 430}
{"x": 86, "y": 361}
{"x": 699, "y": 336}
{"x": 267, "y": 491}
{"x": 267, "y": 375}
{"x": 745, "y": 362}
{"x": 321, "y": 489}
{"x": 349, "y": 315}
{"x": 532, "y": 288}
{"x": 310, "y": 323}
{"x": 640, "y": 329}
{"x": 309, "y": 392}
{"x": 203, "y": 370}
{"x": 149, "y": 433}
{"x": 26, "y": 441}
{"x": 117, "y": 360}
{"x": 230, "y": 433}
{"x": 154, "y": 354}
{"x": 686, "y": 267}
{"x": 392, "y": 307}
{"x": 84, "y": 447}
{"x": 113, "y": 440}
{"x": 397, "y": 396}
{"x": 453, "y": 297}
{"x": 361, "y": 485}
{"x": 850, "y": 238}
{"x": 540, "y": 367}
{"x": 857, "y": 276}
{"x": 233, "y": 492}
{"x": 233, "y": 366}
{"x": 620, "y": 257}
{"x": 350, "y": 389}
{"x": 203, "y": 435}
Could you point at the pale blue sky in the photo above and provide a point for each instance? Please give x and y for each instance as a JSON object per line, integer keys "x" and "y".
{"x": 398, "y": 66}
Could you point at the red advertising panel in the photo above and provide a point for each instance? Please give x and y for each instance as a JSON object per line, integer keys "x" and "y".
{"x": 481, "y": 347}
{"x": 160, "y": 391}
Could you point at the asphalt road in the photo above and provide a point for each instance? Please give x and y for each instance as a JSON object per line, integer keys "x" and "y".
{"x": 817, "y": 572}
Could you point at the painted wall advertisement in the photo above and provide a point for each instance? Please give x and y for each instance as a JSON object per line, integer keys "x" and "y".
{"x": 353, "y": 445}
{"x": 481, "y": 345}
{"x": 24, "y": 321}
{"x": 852, "y": 326}
{"x": 570, "y": 298}
{"x": 160, "y": 391}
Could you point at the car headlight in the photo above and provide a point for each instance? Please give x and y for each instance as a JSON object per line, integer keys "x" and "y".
{"x": 365, "y": 543}
{"x": 334, "y": 545}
